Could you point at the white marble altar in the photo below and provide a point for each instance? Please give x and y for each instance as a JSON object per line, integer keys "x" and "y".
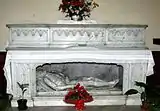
{"x": 31, "y": 45}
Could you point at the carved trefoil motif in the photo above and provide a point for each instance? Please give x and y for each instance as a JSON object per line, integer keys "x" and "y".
{"x": 62, "y": 35}
{"x": 124, "y": 37}
{"x": 75, "y": 36}
{"x": 29, "y": 35}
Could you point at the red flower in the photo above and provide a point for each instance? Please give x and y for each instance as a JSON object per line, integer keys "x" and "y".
{"x": 78, "y": 96}
{"x": 71, "y": 93}
{"x": 80, "y": 89}
{"x": 80, "y": 105}
{"x": 84, "y": 91}
{"x": 77, "y": 86}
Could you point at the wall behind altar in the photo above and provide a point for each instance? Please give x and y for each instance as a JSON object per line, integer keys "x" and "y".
{"x": 110, "y": 11}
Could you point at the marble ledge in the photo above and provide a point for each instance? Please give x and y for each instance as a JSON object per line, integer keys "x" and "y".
{"x": 73, "y": 48}
{"x": 76, "y": 25}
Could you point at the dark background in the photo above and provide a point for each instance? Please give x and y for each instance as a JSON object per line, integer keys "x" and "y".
{"x": 152, "y": 80}
{"x": 2, "y": 78}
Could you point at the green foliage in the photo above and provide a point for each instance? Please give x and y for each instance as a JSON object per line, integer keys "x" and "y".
{"x": 5, "y": 102}
{"x": 143, "y": 96}
{"x": 23, "y": 87}
{"x": 134, "y": 91}
{"x": 140, "y": 84}
{"x": 155, "y": 108}
{"x": 131, "y": 91}
{"x": 150, "y": 94}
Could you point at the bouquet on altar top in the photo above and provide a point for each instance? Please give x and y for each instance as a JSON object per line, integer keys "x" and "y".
{"x": 79, "y": 8}
{"x": 78, "y": 96}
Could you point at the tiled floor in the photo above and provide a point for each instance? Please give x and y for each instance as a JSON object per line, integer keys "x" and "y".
{"x": 89, "y": 108}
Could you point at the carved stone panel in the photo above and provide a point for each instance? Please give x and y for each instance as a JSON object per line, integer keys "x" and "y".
{"x": 125, "y": 37}
{"x": 65, "y": 35}
{"x": 30, "y": 36}
{"x": 76, "y": 36}
{"x": 21, "y": 73}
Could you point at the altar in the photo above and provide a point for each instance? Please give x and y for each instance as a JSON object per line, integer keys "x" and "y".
{"x": 114, "y": 51}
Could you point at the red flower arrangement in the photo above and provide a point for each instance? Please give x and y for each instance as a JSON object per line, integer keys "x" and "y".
{"x": 80, "y": 8}
{"x": 78, "y": 96}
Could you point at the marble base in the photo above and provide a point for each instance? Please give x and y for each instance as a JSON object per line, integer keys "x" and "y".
{"x": 29, "y": 102}
{"x": 98, "y": 101}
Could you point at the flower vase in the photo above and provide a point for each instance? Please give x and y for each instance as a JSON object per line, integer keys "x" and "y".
{"x": 22, "y": 104}
{"x": 76, "y": 18}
